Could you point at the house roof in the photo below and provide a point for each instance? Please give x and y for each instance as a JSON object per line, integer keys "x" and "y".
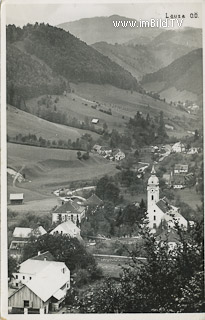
{"x": 163, "y": 205}
{"x": 94, "y": 200}
{"x": 16, "y": 196}
{"x": 178, "y": 179}
{"x": 170, "y": 236}
{"x": 69, "y": 206}
{"x": 49, "y": 281}
{"x": 181, "y": 166}
{"x": 45, "y": 255}
{"x": 20, "y": 232}
{"x": 95, "y": 120}
{"x": 68, "y": 227}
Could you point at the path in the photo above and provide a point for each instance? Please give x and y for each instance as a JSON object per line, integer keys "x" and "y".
{"x": 17, "y": 175}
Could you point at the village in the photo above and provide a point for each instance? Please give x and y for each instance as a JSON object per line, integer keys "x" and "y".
{"x": 75, "y": 209}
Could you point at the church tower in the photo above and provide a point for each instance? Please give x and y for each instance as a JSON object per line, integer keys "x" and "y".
{"x": 152, "y": 191}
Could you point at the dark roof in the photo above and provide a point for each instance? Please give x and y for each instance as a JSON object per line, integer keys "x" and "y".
{"x": 69, "y": 206}
{"x": 94, "y": 200}
{"x": 163, "y": 205}
{"x": 45, "y": 255}
{"x": 170, "y": 236}
{"x": 181, "y": 166}
{"x": 178, "y": 179}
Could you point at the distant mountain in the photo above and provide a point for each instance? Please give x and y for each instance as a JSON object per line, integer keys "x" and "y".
{"x": 97, "y": 29}
{"x": 184, "y": 75}
{"x": 138, "y": 60}
{"x": 49, "y": 52}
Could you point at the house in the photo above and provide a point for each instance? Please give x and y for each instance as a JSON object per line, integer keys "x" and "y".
{"x": 105, "y": 151}
{"x": 69, "y": 211}
{"x": 160, "y": 213}
{"x": 97, "y": 148}
{"x": 94, "y": 201}
{"x": 16, "y": 198}
{"x": 178, "y": 147}
{"x": 20, "y": 238}
{"x": 67, "y": 228}
{"x": 178, "y": 181}
{"x": 181, "y": 168}
{"x": 171, "y": 237}
{"x": 192, "y": 150}
{"x": 42, "y": 286}
{"x": 95, "y": 121}
{"x": 119, "y": 155}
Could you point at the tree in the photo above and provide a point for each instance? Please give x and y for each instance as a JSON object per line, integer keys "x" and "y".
{"x": 62, "y": 247}
{"x": 79, "y": 155}
{"x": 12, "y": 266}
{"x": 168, "y": 281}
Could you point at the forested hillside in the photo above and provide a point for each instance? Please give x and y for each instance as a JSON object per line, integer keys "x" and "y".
{"x": 48, "y": 54}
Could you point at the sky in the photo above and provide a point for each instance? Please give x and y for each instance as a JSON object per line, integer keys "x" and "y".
{"x": 54, "y": 14}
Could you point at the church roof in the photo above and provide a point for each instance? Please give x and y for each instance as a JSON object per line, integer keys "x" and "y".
{"x": 153, "y": 180}
{"x": 94, "y": 200}
{"x": 163, "y": 205}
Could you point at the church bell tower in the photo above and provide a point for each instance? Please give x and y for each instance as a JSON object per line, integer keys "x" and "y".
{"x": 152, "y": 190}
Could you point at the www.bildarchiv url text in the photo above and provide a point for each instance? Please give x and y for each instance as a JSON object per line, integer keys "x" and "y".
{"x": 152, "y": 23}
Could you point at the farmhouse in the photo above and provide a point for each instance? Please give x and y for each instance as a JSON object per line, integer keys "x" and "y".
{"x": 67, "y": 228}
{"x": 20, "y": 237}
{"x": 16, "y": 198}
{"x": 192, "y": 150}
{"x": 118, "y": 155}
{"x": 39, "y": 291}
{"x": 160, "y": 213}
{"x": 181, "y": 168}
{"x": 97, "y": 148}
{"x": 169, "y": 236}
{"x": 178, "y": 147}
{"x": 69, "y": 211}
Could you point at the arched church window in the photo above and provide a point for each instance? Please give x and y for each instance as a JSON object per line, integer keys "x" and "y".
{"x": 152, "y": 197}
{"x": 154, "y": 217}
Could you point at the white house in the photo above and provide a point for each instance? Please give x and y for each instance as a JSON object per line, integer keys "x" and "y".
{"x": 160, "y": 212}
{"x": 69, "y": 211}
{"x": 119, "y": 155}
{"x": 69, "y": 228}
{"x": 192, "y": 150}
{"x": 95, "y": 121}
{"x": 42, "y": 286}
{"x": 181, "y": 168}
{"x": 178, "y": 147}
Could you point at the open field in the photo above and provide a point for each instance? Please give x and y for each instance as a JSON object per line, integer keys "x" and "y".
{"x": 123, "y": 105}
{"x": 22, "y": 122}
{"x": 49, "y": 169}
{"x": 189, "y": 196}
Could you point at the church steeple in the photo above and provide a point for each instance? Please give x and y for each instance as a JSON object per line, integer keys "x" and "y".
{"x": 152, "y": 190}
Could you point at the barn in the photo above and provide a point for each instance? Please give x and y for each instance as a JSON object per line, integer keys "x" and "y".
{"x": 16, "y": 198}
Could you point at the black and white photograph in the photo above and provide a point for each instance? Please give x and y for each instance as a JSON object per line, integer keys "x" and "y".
{"x": 102, "y": 180}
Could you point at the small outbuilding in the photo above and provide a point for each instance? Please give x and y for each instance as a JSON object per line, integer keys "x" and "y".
{"x": 95, "y": 121}
{"x": 16, "y": 198}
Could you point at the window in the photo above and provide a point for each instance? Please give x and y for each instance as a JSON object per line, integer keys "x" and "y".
{"x": 30, "y": 278}
{"x": 63, "y": 270}
{"x": 26, "y": 303}
{"x": 16, "y": 276}
{"x": 154, "y": 217}
{"x": 23, "y": 277}
{"x": 16, "y": 284}
{"x": 152, "y": 197}
{"x": 61, "y": 232}
{"x": 154, "y": 210}
{"x": 154, "y": 225}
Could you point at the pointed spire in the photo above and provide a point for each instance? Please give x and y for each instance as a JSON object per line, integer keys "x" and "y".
{"x": 153, "y": 170}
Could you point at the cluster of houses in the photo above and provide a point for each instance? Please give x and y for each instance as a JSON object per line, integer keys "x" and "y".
{"x": 108, "y": 153}
{"x": 34, "y": 287}
{"x": 180, "y": 177}
{"x": 180, "y": 147}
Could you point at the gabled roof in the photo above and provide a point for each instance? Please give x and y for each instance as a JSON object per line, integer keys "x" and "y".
{"x": 49, "y": 281}
{"x": 181, "y": 166}
{"x": 163, "y": 205}
{"x": 69, "y": 206}
{"x": 170, "y": 236}
{"x": 94, "y": 200}
{"x": 20, "y": 232}
{"x": 16, "y": 196}
{"x": 33, "y": 266}
{"x": 45, "y": 255}
{"x": 68, "y": 227}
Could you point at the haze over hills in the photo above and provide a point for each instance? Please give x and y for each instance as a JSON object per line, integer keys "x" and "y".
{"x": 39, "y": 56}
{"x": 184, "y": 74}
{"x": 98, "y": 29}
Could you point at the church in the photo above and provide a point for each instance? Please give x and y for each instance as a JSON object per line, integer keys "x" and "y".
{"x": 160, "y": 213}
